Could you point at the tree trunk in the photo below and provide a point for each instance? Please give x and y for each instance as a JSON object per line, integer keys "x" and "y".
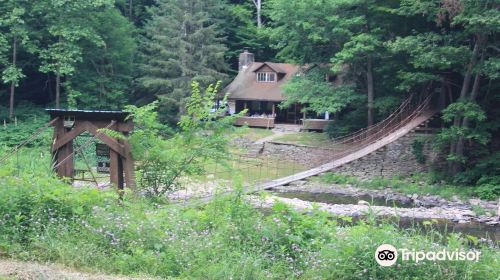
{"x": 454, "y": 166}
{"x": 369, "y": 82}
{"x": 58, "y": 90}
{"x": 465, "y": 122}
{"x": 13, "y": 83}
{"x": 258, "y": 6}
{"x": 130, "y": 5}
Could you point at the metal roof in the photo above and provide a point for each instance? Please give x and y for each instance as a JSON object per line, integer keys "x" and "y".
{"x": 90, "y": 114}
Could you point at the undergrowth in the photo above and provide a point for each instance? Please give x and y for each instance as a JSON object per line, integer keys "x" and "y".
{"x": 44, "y": 219}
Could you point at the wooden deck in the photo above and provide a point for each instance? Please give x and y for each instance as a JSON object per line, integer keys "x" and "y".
{"x": 255, "y": 122}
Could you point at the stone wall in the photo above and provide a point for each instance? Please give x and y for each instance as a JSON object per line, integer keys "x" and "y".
{"x": 396, "y": 158}
{"x": 305, "y": 155}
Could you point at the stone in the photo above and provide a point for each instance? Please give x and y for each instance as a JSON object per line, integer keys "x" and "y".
{"x": 363, "y": 202}
{"x": 414, "y": 196}
{"x": 474, "y": 201}
{"x": 298, "y": 183}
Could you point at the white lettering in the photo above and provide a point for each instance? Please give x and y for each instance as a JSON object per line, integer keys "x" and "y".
{"x": 441, "y": 255}
{"x": 420, "y": 256}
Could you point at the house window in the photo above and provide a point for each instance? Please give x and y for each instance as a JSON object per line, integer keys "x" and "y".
{"x": 266, "y": 77}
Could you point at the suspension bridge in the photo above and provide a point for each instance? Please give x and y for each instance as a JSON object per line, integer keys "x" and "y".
{"x": 261, "y": 173}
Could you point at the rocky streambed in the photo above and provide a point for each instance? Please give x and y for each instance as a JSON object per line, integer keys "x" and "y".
{"x": 356, "y": 202}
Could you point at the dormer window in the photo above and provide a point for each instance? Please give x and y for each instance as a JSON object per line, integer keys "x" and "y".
{"x": 266, "y": 77}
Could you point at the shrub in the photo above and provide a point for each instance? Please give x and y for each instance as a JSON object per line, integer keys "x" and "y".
{"x": 487, "y": 191}
{"x": 336, "y": 178}
{"x": 418, "y": 150}
{"x": 203, "y": 136}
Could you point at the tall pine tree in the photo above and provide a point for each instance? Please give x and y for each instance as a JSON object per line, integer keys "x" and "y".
{"x": 182, "y": 42}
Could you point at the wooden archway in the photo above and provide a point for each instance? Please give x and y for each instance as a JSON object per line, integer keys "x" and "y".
{"x": 71, "y": 123}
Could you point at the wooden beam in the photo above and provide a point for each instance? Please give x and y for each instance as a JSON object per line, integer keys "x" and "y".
{"x": 114, "y": 157}
{"x": 66, "y": 137}
{"x": 108, "y": 140}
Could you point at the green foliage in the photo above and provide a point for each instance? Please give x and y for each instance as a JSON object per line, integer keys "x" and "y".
{"x": 164, "y": 161}
{"x": 31, "y": 118}
{"x": 488, "y": 191}
{"x": 182, "y": 42}
{"x": 466, "y": 109}
{"x": 102, "y": 80}
{"x": 305, "y": 31}
{"x": 319, "y": 95}
{"x": 431, "y": 50}
{"x": 418, "y": 150}
{"x": 66, "y": 30}
{"x": 337, "y": 178}
{"x": 47, "y": 220}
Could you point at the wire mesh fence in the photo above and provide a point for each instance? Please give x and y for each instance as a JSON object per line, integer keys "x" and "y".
{"x": 240, "y": 170}
{"x": 90, "y": 160}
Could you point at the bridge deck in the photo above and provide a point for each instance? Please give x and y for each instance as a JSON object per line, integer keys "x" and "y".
{"x": 408, "y": 127}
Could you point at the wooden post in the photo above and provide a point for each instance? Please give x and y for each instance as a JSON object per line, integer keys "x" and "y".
{"x": 59, "y": 154}
{"x": 274, "y": 109}
{"x": 120, "y": 174}
{"x": 68, "y": 164}
{"x": 114, "y": 158}
{"x": 128, "y": 166}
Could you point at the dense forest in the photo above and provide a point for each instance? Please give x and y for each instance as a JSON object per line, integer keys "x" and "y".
{"x": 104, "y": 54}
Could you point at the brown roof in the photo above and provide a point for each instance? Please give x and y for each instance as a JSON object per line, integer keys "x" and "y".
{"x": 246, "y": 87}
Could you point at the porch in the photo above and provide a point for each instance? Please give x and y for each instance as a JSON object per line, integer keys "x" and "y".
{"x": 267, "y": 114}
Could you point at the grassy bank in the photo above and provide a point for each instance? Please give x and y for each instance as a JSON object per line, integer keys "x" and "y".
{"x": 420, "y": 185}
{"x": 314, "y": 139}
{"x": 43, "y": 219}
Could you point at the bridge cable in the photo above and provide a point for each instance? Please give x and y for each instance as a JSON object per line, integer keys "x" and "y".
{"x": 32, "y": 137}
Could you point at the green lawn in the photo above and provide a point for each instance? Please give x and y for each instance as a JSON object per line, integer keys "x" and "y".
{"x": 252, "y": 134}
{"x": 314, "y": 139}
{"x": 252, "y": 170}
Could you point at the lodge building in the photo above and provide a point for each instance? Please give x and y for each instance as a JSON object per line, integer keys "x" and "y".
{"x": 258, "y": 88}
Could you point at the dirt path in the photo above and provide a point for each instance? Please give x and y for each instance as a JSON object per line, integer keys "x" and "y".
{"x": 276, "y": 134}
{"x": 10, "y": 270}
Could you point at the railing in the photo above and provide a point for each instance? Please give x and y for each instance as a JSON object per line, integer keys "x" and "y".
{"x": 409, "y": 109}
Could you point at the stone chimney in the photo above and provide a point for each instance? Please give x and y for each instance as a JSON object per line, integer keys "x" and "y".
{"x": 245, "y": 60}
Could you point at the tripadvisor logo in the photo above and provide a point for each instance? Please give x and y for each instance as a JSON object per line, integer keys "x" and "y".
{"x": 387, "y": 255}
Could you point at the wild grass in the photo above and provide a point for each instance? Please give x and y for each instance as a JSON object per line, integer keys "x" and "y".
{"x": 44, "y": 219}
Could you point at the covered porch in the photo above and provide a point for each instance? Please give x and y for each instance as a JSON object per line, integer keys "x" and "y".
{"x": 267, "y": 114}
